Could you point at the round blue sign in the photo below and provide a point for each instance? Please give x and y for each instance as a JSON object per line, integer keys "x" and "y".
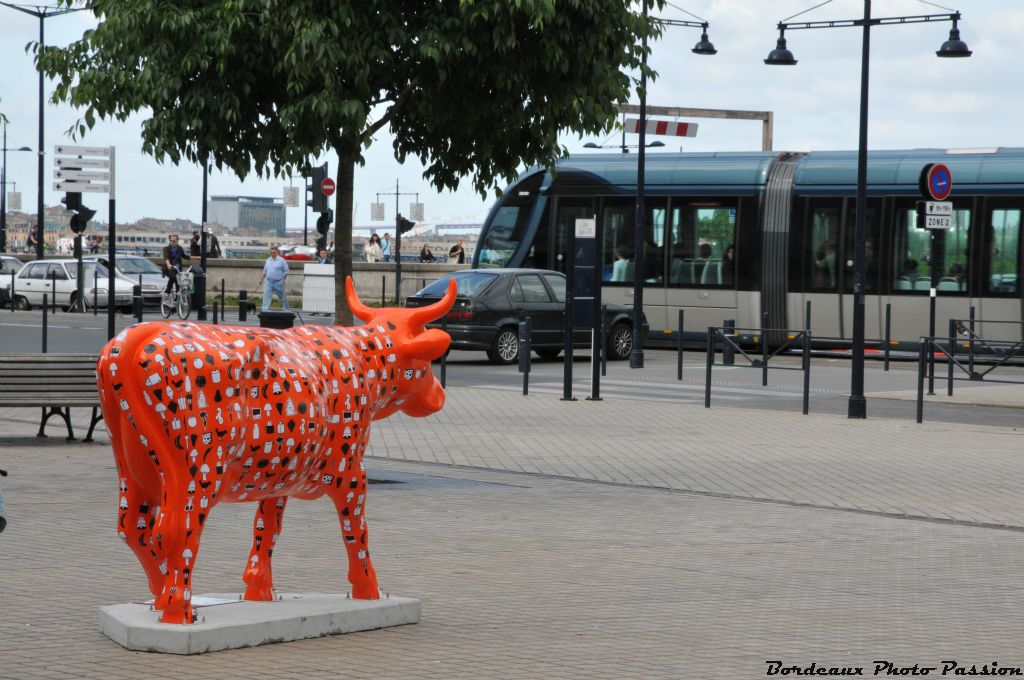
{"x": 936, "y": 181}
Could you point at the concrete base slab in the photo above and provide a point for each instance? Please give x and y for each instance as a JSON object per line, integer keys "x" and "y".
{"x": 227, "y": 622}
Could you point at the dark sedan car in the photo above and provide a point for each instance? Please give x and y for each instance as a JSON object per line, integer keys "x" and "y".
{"x": 492, "y": 302}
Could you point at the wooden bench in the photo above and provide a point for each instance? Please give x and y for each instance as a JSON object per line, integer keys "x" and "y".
{"x": 54, "y": 382}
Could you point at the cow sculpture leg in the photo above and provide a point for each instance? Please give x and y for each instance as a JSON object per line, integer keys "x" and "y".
{"x": 350, "y": 502}
{"x": 177, "y": 534}
{"x": 134, "y": 522}
{"x": 258, "y": 576}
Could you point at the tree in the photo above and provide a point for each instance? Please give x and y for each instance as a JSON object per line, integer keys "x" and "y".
{"x": 470, "y": 87}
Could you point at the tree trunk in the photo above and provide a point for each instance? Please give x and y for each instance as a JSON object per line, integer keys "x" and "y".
{"x": 343, "y": 240}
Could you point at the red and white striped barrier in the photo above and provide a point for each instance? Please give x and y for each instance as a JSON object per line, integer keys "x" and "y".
{"x": 662, "y": 127}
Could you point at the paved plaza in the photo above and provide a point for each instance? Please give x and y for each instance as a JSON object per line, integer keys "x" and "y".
{"x": 548, "y": 539}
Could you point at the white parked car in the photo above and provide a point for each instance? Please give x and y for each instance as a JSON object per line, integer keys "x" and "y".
{"x": 8, "y": 265}
{"x": 44, "y": 276}
{"x": 130, "y": 267}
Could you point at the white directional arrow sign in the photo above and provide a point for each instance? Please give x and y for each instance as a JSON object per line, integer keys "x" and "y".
{"x": 81, "y": 187}
{"x": 82, "y": 176}
{"x": 82, "y": 163}
{"x": 65, "y": 150}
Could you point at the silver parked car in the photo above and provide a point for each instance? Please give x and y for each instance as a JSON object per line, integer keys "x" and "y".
{"x": 58, "y": 278}
{"x": 130, "y": 267}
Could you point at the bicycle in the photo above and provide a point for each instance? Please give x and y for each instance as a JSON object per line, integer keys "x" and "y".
{"x": 180, "y": 298}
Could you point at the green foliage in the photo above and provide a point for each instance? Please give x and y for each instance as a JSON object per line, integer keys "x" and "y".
{"x": 470, "y": 87}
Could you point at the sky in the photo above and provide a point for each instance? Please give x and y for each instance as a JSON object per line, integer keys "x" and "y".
{"x": 916, "y": 101}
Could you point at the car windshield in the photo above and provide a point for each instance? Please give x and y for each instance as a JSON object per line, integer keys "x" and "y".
{"x": 469, "y": 283}
{"x": 90, "y": 269}
{"x": 137, "y": 265}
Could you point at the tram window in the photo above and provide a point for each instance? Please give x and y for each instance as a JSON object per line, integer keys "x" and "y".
{"x": 617, "y": 252}
{"x": 872, "y": 232}
{"x": 619, "y": 240}
{"x": 1004, "y": 241}
{"x": 821, "y": 245}
{"x": 701, "y": 235}
{"x": 912, "y": 251}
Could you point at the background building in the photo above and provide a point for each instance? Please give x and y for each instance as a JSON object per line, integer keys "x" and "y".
{"x": 265, "y": 215}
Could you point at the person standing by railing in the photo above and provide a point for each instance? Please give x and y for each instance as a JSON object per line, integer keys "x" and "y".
{"x": 275, "y": 273}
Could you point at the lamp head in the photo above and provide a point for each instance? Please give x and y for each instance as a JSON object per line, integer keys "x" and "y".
{"x": 954, "y": 47}
{"x": 591, "y": 145}
{"x": 704, "y": 45}
{"x": 780, "y": 56}
{"x": 656, "y": 142}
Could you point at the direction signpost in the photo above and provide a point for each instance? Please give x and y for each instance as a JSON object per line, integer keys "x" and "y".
{"x": 936, "y": 215}
{"x": 90, "y": 170}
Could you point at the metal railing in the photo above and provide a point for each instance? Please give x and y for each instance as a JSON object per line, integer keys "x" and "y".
{"x": 932, "y": 347}
{"x": 725, "y": 337}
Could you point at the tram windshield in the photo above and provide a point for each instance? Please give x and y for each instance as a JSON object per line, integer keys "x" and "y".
{"x": 508, "y": 226}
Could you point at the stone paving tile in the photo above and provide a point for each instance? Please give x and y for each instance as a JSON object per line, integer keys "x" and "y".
{"x": 546, "y": 578}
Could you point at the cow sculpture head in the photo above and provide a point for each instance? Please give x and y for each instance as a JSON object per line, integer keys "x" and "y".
{"x": 419, "y": 393}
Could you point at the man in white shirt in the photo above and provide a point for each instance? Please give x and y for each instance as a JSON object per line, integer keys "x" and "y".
{"x": 275, "y": 272}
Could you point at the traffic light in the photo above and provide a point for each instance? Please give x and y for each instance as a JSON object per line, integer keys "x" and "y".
{"x": 323, "y": 223}
{"x": 404, "y": 225}
{"x": 80, "y": 219}
{"x": 317, "y": 201}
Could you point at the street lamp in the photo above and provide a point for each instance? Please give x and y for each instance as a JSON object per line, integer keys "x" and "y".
{"x": 41, "y": 13}
{"x": 781, "y": 56}
{"x": 704, "y": 47}
{"x": 3, "y": 191}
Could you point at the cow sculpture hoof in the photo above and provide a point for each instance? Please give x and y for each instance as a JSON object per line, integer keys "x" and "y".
{"x": 200, "y": 414}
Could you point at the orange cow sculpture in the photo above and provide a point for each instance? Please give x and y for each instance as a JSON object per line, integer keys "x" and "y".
{"x": 200, "y": 414}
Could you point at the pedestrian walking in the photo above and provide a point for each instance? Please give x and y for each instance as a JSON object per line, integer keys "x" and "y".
{"x": 275, "y": 273}
{"x": 385, "y": 247}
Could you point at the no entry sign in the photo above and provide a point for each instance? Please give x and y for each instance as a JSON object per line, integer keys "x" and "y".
{"x": 327, "y": 187}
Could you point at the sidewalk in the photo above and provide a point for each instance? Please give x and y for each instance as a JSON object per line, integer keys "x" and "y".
{"x": 548, "y": 539}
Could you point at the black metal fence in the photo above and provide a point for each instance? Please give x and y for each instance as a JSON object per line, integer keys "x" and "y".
{"x": 725, "y": 337}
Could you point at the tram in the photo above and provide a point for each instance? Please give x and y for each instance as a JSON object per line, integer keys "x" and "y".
{"x": 738, "y": 235}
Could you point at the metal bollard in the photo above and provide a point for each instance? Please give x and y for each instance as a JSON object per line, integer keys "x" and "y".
{"x": 729, "y": 330}
{"x": 764, "y": 350}
{"x": 383, "y": 289}
{"x": 53, "y": 289}
{"x": 604, "y": 339}
{"x": 13, "y": 305}
{"x": 679, "y": 362}
{"x": 137, "y": 302}
{"x": 524, "y": 353}
{"x": 222, "y": 312}
{"x": 95, "y": 294}
{"x": 970, "y": 357}
{"x": 243, "y": 305}
{"x": 949, "y": 359}
{"x": 444, "y": 357}
{"x": 44, "y": 322}
{"x": 215, "y": 305}
{"x": 806, "y": 361}
{"x": 710, "y": 362}
{"x": 888, "y": 332}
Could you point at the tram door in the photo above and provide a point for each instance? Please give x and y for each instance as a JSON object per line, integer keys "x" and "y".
{"x": 911, "y": 271}
{"x": 827, "y": 268}
{"x": 999, "y": 269}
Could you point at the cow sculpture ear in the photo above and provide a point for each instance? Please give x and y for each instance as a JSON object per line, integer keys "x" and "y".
{"x": 428, "y": 345}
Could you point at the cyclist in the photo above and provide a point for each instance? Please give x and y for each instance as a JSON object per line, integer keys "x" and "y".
{"x": 173, "y": 256}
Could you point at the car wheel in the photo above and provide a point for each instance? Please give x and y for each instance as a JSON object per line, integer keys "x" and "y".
{"x": 505, "y": 348}
{"x": 22, "y": 303}
{"x": 550, "y": 353}
{"x": 620, "y": 342}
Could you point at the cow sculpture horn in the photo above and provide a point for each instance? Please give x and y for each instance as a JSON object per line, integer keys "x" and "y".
{"x": 421, "y": 316}
{"x": 355, "y": 304}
